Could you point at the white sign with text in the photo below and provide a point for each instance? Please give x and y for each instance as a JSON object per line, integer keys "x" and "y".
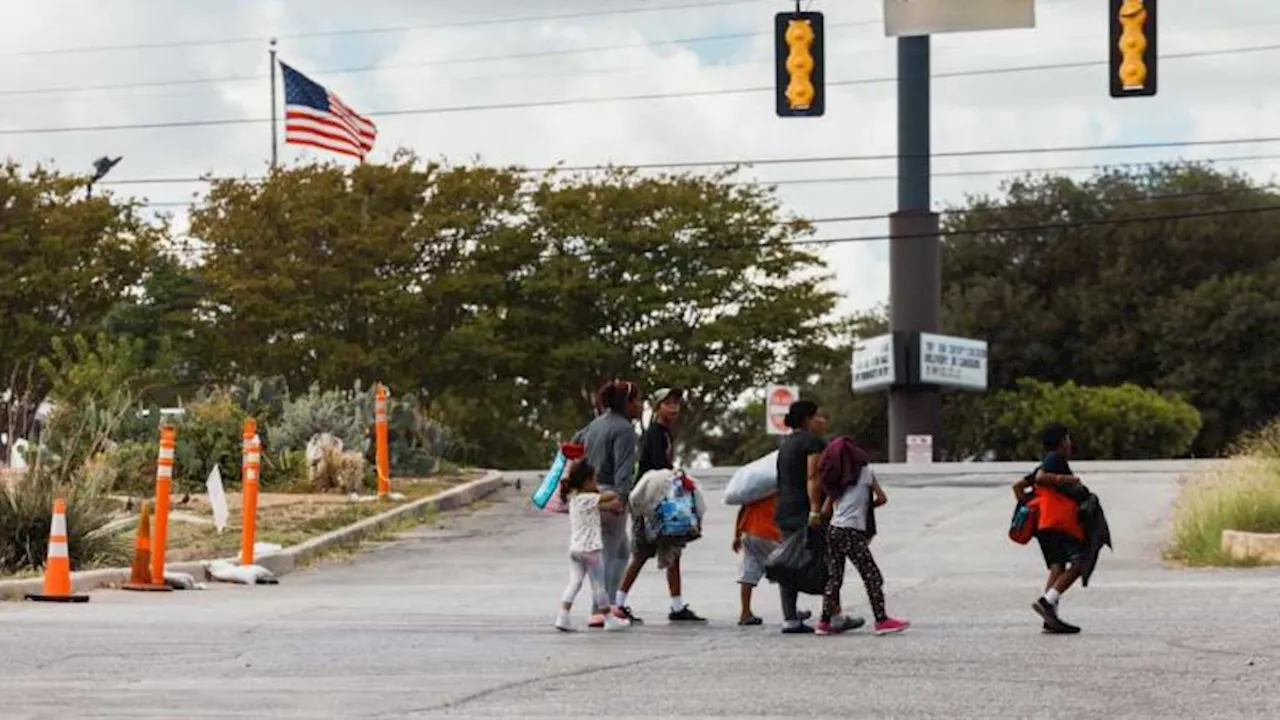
{"x": 953, "y": 361}
{"x": 919, "y": 449}
{"x": 873, "y": 365}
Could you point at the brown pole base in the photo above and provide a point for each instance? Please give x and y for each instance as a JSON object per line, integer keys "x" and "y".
{"x": 58, "y": 598}
{"x": 146, "y": 588}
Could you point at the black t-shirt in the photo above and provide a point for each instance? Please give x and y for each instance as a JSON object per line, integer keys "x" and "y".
{"x": 1056, "y": 464}
{"x": 655, "y": 448}
{"x": 792, "y": 512}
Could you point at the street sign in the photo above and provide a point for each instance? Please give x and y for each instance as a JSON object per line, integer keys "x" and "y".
{"x": 777, "y": 400}
{"x": 906, "y": 18}
{"x": 919, "y": 449}
{"x": 953, "y": 361}
{"x": 873, "y": 364}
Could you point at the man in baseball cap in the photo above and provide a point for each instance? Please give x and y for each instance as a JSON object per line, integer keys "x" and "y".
{"x": 657, "y": 453}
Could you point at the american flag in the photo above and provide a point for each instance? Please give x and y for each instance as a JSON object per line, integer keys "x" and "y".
{"x": 316, "y": 117}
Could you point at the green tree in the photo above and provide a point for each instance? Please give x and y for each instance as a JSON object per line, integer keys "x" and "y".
{"x": 1219, "y": 345}
{"x": 66, "y": 260}
{"x": 823, "y": 373}
{"x": 679, "y": 280}
{"x": 1064, "y": 288}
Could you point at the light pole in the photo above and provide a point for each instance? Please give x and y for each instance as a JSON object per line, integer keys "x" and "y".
{"x": 101, "y": 167}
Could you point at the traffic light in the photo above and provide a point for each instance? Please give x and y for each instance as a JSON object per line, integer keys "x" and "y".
{"x": 1133, "y": 48}
{"x": 798, "y": 40}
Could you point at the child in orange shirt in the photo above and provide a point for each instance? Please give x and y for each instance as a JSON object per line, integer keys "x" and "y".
{"x": 756, "y": 535}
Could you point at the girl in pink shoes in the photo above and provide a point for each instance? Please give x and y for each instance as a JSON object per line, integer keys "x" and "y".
{"x": 580, "y": 493}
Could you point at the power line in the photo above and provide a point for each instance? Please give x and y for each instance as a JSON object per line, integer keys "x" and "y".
{"x": 857, "y": 158}
{"x": 431, "y": 25}
{"x": 432, "y": 62}
{"x": 564, "y": 102}
{"x": 992, "y": 229}
{"x": 1072, "y": 225}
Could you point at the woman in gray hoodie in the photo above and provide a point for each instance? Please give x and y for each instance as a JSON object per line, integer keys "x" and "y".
{"x": 610, "y": 440}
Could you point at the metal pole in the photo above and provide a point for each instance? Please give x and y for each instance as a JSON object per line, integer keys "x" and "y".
{"x": 915, "y": 277}
{"x": 274, "y": 139}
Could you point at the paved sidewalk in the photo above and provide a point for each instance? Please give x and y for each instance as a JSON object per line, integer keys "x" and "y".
{"x": 456, "y": 623}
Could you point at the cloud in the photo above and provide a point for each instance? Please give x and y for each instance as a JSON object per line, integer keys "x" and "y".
{"x": 1200, "y": 98}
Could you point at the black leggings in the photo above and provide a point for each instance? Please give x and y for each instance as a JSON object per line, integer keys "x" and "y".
{"x": 849, "y": 543}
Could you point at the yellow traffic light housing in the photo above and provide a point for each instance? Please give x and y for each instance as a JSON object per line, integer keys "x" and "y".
{"x": 798, "y": 46}
{"x": 1133, "y": 48}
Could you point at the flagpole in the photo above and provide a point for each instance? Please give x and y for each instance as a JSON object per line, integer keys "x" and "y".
{"x": 274, "y": 139}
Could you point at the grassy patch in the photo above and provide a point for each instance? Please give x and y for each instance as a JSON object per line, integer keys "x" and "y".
{"x": 1243, "y": 495}
{"x": 286, "y": 519}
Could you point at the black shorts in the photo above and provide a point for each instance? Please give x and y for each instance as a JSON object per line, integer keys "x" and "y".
{"x": 1059, "y": 548}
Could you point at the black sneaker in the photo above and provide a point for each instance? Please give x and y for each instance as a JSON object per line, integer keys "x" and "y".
{"x": 686, "y": 614}
{"x": 626, "y": 612}
{"x": 750, "y": 620}
{"x": 1065, "y": 628}
{"x": 800, "y": 629}
{"x": 1052, "y": 622}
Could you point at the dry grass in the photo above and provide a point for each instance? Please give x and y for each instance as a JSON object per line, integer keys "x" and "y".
{"x": 286, "y": 518}
{"x": 1243, "y": 495}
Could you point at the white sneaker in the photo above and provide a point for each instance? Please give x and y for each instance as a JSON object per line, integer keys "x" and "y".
{"x": 563, "y": 624}
{"x": 611, "y": 622}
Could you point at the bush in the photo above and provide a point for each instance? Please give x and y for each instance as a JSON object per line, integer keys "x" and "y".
{"x": 26, "y": 512}
{"x": 1244, "y": 495}
{"x": 1125, "y": 422}
{"x": 133, "y": 467}
{"x": 332, "y": 411}
{"x": 284, "y": 471}
{"x": 211, "y": 433}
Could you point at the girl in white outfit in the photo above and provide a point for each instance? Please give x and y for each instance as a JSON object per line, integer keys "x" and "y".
{"x": 585, "y": 501}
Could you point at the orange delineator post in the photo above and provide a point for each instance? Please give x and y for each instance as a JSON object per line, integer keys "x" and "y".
{"x": 164, "y": 487}
{"x": 383, "y": 447}
{"x": 249, "y": 469}
{"x": 140, "y": 572}
{"x": 57, "y": 564}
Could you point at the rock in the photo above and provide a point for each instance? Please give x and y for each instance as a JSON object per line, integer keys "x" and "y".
{"x": 1257, "y": 547}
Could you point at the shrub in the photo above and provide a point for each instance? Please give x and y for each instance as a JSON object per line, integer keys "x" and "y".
{"x": 418, "y": 443}
{"x": 1124, "y": 422}
{"x": 284, "y": 471}
{"x": 133, "y": 467}
{"x": 331, "y": 411}
{"x": 210, "y": 433}
{"x": 1244, "y": 495}
{"x": 26, "y": 511}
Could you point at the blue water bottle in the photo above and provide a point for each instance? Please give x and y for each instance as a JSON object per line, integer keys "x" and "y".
{"x": 550, "y": 483}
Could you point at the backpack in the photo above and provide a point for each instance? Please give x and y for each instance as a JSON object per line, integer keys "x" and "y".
{"x": 1025, "y": 520}
{"x": 677, "y": 512}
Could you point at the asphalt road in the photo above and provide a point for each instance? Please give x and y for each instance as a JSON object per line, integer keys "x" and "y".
{"x": 454, "y": 621}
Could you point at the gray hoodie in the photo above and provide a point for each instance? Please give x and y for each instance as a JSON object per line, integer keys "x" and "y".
{"x": 611, "y": 450}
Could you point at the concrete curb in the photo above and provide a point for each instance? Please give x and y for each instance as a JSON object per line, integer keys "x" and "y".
{"x": 1245, "y": 546}
{"x": 293, "y": 557}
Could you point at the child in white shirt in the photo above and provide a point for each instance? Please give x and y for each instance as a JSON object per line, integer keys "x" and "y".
{"x": 580, "y": 493}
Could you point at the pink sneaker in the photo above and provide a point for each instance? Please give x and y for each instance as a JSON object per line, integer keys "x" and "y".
{"x": 595, "y": 621}
{"x": 891, "y": 625}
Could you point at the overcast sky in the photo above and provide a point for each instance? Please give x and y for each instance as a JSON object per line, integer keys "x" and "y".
{"x": 420, "y": 60}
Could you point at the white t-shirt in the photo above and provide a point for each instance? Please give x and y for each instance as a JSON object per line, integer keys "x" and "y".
{"x": 851, "y": 509}
{"x": 584, "y": 523}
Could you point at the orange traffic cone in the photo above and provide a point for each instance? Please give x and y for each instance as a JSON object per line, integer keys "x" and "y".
{"x": 140, "y": 573}
{"x": 57, "y": 566}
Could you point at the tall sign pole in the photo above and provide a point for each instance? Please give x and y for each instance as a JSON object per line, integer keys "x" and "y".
{"x": 915, "y": 255}
{"x": 274, "y": 133}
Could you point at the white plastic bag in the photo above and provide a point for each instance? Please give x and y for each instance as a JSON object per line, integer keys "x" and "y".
{"x": 217, "y": 498}
{"x": 225, "y": 571}
{"x": 754, "y": 481}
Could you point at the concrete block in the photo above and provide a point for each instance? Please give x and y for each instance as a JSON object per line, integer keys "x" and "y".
{"x": 1258, "y": 547}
